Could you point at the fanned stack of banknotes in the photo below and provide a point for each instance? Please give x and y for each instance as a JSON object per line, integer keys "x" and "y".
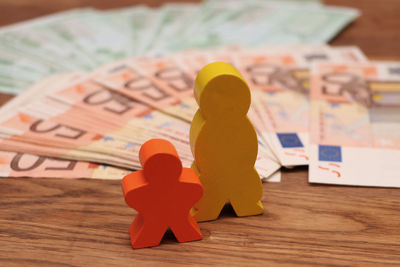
{"x": 326, "y": 107}
{"x": 84, "y": 39}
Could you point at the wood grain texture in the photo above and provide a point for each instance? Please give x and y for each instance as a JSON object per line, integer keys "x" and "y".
{"x": 57, "y": 222}
{"x": 376, "y": 31}
{"x": 85, "y": 222}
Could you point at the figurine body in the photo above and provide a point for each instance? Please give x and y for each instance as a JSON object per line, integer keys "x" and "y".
{"x": 163, "y": 194}
{"x": 224, "y": 144}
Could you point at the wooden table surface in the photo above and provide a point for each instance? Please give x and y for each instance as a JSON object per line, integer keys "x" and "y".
{"x": 85, "y": 222}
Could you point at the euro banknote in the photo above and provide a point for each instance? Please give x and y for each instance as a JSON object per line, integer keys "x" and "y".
{"x": 163, "y": 83}
{"x": 280, "y": 81}
{"x": 82, "y": 39}
{"x": 355, "y": 124}
{"x": 70, "y": 132}
{"x": 26, "y": 165}
{"x": 105, "y": 115}
{"x": 81, "y": 120}
{"x": 277, "y": 76}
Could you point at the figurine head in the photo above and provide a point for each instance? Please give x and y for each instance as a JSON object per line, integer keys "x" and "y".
{"x": 221, "y": 91}
{"x": 160, "y": 161}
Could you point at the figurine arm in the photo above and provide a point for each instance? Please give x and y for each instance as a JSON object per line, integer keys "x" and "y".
{"x": 195, "y": 128}
{"x": 133, "y": 187}
{"x": 192, "y": 184}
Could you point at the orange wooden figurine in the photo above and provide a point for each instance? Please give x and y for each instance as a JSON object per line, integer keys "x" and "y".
{"x": 163, "y": 194}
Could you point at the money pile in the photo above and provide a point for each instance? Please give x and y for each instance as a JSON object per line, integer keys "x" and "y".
{"x": 125, "y": 76}
{"x": 355, "y": 124}
{"x": 104, "y": 116}
{"x": 83, "y": 39}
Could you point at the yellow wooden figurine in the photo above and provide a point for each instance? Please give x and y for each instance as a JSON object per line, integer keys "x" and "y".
{"x": 224, "y": 144}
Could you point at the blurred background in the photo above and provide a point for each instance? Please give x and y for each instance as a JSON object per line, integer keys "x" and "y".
{"x": 376, "y": 32}
{"x": 148, "y": 53}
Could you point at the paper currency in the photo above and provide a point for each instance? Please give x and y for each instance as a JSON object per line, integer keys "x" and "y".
{"x": 355, "y": 124}
{"x": 82, "y": 39}
{"x": 163, "y": 83}
{"x": 26, "y": 165}
{"x": 281, "y": 81}
{"x": 128, "y": 76}
{"x": 71, "y": 132}
{"x": 278, "y": 77}
{"x": 80, "y": 120}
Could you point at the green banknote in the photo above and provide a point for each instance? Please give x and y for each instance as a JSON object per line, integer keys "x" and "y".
{"x": 83, "y": 39}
